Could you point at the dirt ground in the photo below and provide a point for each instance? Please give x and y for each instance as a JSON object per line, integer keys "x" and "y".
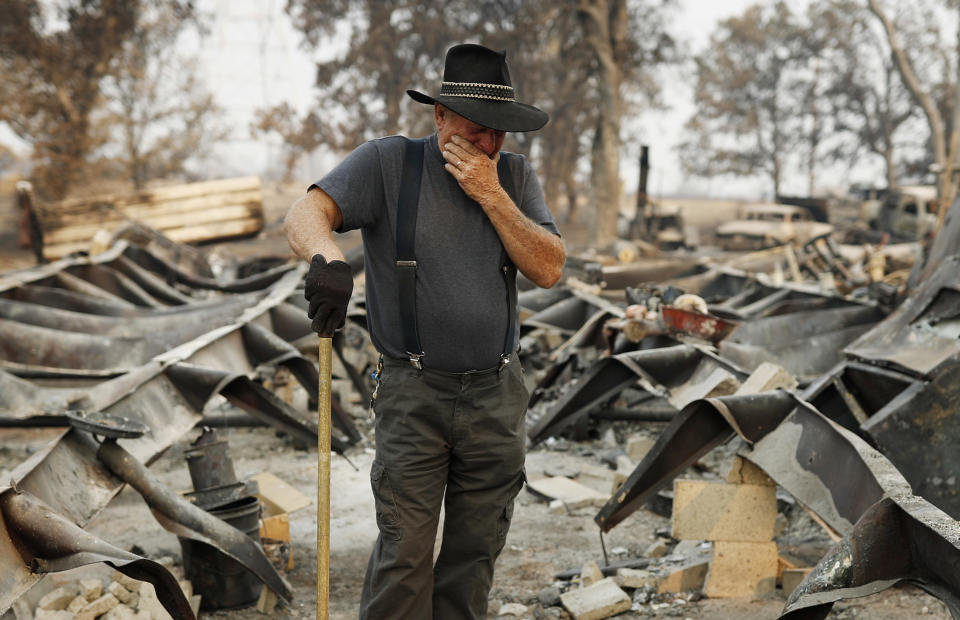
{"x": 539, "y": 544}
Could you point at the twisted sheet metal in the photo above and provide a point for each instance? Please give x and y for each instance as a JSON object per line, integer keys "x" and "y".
{"x": 656, "y": 370}
{"x": 49, "y": 543}
{"x": 102, "y": 337}
{"x": 890, "y": 534}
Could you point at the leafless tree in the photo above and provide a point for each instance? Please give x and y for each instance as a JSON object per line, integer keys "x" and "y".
{"x": 747, "y": 120}
{"x": 585, "y": 62}
{"x": 944, "y": 130}
{"x": 54, "y": 58}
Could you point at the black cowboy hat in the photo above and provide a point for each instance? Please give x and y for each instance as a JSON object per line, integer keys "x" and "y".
{"x": 476, "y": 85}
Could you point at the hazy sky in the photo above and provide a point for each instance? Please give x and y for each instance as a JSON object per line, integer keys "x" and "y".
{"x": 252, "y": 58}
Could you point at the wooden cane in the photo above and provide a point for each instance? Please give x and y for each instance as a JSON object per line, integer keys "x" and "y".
{"x": 323, "y": 481}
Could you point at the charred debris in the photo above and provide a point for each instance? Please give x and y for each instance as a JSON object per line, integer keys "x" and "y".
{"x": 828, "y": 372}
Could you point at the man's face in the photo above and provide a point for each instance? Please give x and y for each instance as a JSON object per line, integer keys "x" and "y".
{"x": 449, "y": 123}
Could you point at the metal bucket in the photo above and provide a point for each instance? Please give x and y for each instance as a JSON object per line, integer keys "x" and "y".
{"x": 222, "y": 582}
{"x": 209, "y": 462}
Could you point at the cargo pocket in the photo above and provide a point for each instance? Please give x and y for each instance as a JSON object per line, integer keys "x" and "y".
{"x": 506, "y": 515}
{"x": 388, "y": 517}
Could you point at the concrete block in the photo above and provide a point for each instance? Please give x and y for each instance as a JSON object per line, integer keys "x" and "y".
{"x": 600, "y": 600}
{"x": 98, "y": 607}
{"x": 782, "y": 565}
{"x": 687, "y": 575}
{"x": 127, "y": 582}
{"x": 77, "y": 604}
{"x": 742, "y": 569}
{"x": 53, "y": 614}
{"x": 56, "y": 599}
{"x": 267, "y": 601}
{"x": 743, "y": 471}
{"x": 123, "y": 595}
{"x": 573, "y": 494}
{"x": 601, "y": 479}
{"x": 638, "y": 446}
{"x": 634, "y": 578}
{"x": 120, "y": 612}
{"x": 512, "y": 609}
{"x": 792, "y": 577}
{"x": 656, "y": 549}
{"x": 767, "y": 377}
{"x": 718, "y": 383}
{"x": 722, "y": 511}
{"x": 91, "y": 589}
{"x": 590, "y": 574}
{"x": 150, "y": 603}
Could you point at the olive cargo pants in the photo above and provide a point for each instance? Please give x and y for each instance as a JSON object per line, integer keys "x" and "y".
{"x": 455, "y": 438}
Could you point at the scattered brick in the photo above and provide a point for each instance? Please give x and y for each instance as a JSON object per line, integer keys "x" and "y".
{"x": 600, "y": 600}
{"x": 722, "y": 511}
{"x": 56, "y": 599}
{"x": 742, "y": 569}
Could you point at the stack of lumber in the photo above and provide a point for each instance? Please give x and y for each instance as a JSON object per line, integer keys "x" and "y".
{"x": 184, "y": 213}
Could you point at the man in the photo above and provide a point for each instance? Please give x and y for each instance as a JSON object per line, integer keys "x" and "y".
{"x": 444, "y": 221}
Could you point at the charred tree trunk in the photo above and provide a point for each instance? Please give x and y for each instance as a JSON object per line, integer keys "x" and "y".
{"x": 605, "y": 22}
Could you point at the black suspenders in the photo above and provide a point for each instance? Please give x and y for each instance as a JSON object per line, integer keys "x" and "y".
{"x": 407, "y": 205}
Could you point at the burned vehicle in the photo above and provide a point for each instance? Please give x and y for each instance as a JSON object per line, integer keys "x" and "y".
{"x": 770, "y": 225}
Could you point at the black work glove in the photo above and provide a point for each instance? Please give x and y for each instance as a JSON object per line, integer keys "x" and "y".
{"x": 327, "y": 288}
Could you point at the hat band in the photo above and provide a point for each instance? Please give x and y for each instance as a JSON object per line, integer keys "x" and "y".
{"x": 475, "y": 90}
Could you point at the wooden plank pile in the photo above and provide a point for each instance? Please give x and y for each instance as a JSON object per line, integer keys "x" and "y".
{"x": 187, "y": 213}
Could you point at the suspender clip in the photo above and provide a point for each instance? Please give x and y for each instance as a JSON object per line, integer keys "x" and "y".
{"x": 415, "y": 360}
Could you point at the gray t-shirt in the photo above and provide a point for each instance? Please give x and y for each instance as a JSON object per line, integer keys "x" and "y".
{"x": 461, "y": 296}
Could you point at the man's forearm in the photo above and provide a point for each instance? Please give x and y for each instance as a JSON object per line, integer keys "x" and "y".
{"x": 538, "y": 253}
{"x": 309, "y": 227}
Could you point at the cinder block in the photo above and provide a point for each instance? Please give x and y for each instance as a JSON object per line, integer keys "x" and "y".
{"x": 590, "y": 574}
{"x": 56, "y": 599}
{"x": 782, "y": 565}
{"x": 150, "y": 603}
{"x": 722, "y": 511}
{"x": 91, "y": 589}
{"x": 600, "y": 479}
{"x": 53, "y": 614}
{"x": 792, "y": 577}
{"x": 123, "y": 595}
{"x": 600, "y": 600}
{"x": 573, "y": 494}
{"x": 634, "y": 578}
{"x": 77, "y": 604}
{"x": 718, "y": 383}
{"x": 127, "y": 582}
{"x": 688, "y": 575}
{"x": 656, "y": 549}
{"x": 767, "y": 377}
{"x": 742, "y": 569}
{"x": 638, "y": 446}
{"x": 120, "y": 612}
{"x": 743, "y": 471}
{"x": 98, "y": 607}
{"x": 267, "y": 601}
